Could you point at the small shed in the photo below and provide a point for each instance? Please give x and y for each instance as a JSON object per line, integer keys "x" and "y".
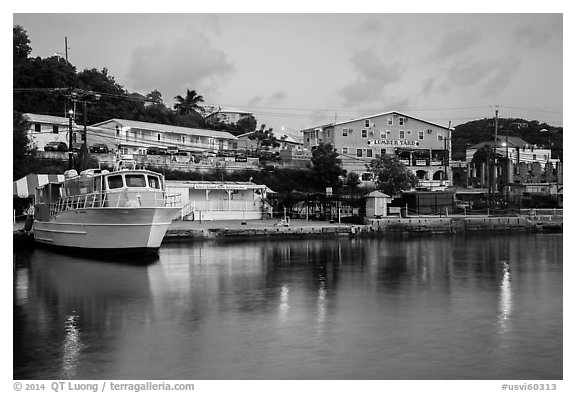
{"x": 377, "y": 204}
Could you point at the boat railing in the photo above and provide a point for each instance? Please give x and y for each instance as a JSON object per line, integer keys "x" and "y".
{"x": 127, "y": 199}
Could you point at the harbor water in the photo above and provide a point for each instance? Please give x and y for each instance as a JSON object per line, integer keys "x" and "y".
{"x": 482, "y": 306}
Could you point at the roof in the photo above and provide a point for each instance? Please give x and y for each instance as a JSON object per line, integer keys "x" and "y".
{"x": 48, "y": 119}
{"x": 279, "y": 137}
{"x": 230, "y": 110}
{"x": 168, "y": 128}
{"x": 376, "y": 115}
{"x": 215, "y": 185}
{"x": 377, "y": 194}
{"x": 26, "y": 186}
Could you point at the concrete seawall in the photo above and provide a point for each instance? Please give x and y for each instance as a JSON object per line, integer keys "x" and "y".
{"x": 450, "y": 224}
{"x": 259, "y": 229}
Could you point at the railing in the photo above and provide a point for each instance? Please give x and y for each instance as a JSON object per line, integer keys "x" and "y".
{"x": 222, "y": 205}
{"x": 128, "y": 199}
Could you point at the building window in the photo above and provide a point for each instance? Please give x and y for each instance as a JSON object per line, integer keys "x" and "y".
{"x": 534, "y": 157}
{"x": 382, "y": 152}
{"x": 400, "y": 121}
{"x": 183, "y": 139}
{"x": 382, "y": 134}
{"x": 158, "y": 136}
{"x": 368, "y": 152}
{"x": 344, "y": 150}
{"x": 327, "y": 134}
{"x": 37, "y": 127}
{"x": 344, "y": 131}
{"x": 358, "y": 152}
{"x": 367, "y": 123}
{"x": 440, "y": 137}
{"x": 55, "y": 129}
{"x": 364, "y": 133}
{"x": 402, "y": 134}
{"x": 117, "y": 131}
{"x": 421, "y": 135}
{"x": 390, "y": 121}
{"x": 409, "y": 132}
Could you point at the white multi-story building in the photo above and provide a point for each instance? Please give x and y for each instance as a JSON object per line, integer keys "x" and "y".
{"x": 137, "y": 137}
{"x": 423, "y": 146}
{"x": 45, "y": 128}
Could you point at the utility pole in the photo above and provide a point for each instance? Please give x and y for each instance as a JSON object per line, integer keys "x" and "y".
{"x": 70, "y": 160}
{"x": 446, "y": 151}
{"x": 495, "y": 170}
{"x": 84, "y": 150}
{"x": 66, "y": 48}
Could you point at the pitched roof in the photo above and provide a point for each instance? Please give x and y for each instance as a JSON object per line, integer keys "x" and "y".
{"x": 377, "y": 194}
{"x": 279, "y": 137}
{"x": 48, "y": 119}
{"x": 376, "y": 115}
{"x": 168, "y": 128}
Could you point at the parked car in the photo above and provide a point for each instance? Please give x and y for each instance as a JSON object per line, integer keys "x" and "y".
{"x": 99, "y": 148}
{"x": 56, "y": 146}
{"x": 240, "y": 158}
{"x": 154, "y": 150}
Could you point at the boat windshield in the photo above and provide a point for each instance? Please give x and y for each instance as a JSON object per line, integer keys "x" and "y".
{"x": 115, "y": 181}
{"x": 153, "y": 182}
{"x": 135, "y": 181}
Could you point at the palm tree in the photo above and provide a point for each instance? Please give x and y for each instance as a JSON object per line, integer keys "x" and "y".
{"x": 185, "y": 106}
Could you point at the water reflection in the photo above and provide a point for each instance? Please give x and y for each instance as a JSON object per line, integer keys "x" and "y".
{"x": 72, "y": 347}
{"x": 387, "y": 308}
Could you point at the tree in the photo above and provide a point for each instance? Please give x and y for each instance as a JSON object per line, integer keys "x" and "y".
{"x": 186, "y": 105}
{"x": 245, "y": 125}
{"x": 391, "y": 176}
{"x": 264, "y": 138}
{"x": 352, "y": 181}
{"x": 22, "y": 150}
{"x": 21, "y": 43}
{"x": 155, "y": 96}
{"x": 326, "y": 167}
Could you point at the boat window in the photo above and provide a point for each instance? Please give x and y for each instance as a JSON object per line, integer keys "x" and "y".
{"x": 153, "y": 182}
{"x": 135, "y": 181}
{"x": 115, "y": 181}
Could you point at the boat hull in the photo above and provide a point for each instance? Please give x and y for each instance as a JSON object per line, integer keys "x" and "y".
{"x": 109, "y": 230}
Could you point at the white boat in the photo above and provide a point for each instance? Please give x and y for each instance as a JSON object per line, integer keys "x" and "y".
{"x": 126, "y": 210}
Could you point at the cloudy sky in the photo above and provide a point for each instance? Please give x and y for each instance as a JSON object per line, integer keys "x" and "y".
{"x": 300, "y": 70}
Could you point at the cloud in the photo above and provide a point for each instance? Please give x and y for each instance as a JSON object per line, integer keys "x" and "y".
{"x": 537, "y": 36}
{"x": 373, "y": 77}
{"x": 199, "y": 66}
{"x": 456, "y": 42}
{"x": 427, "y": 86}
{"x": 372, "y": 26}
{"x": 275, "y": 98}
{"x": 489, "y": 77}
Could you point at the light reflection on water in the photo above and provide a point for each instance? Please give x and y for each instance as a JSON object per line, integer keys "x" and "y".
{"x": 474, "y": 307}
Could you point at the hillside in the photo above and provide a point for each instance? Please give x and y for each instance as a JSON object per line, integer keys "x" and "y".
{"x": 482, "y": 130}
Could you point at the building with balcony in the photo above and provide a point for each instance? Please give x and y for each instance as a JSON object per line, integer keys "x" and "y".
{"x": 137, "y": 137}
{"x": 423, "y": 146}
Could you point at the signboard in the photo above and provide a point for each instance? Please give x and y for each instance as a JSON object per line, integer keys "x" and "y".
{"x": 328, "y": 190}
{"x": 421, "y": 162}
{"x": 390, "y": 142}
